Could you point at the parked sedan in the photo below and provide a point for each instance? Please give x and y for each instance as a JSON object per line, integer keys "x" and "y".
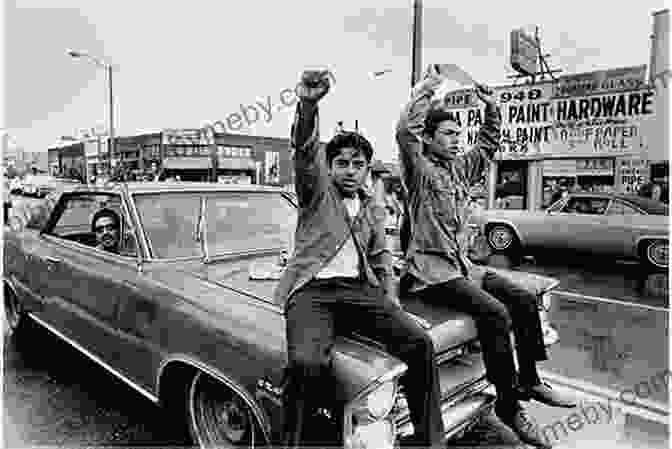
{"x": 622, "y": 226}
{"x": 184, "y": 314}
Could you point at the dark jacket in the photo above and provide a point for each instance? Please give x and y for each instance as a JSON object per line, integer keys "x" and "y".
{"x": 324, "y": 224}
{"x": 438, "y": 192}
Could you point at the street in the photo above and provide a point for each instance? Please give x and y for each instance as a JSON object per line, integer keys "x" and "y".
{"x": 59, "y": 397}
{"x": 613, "y": 339}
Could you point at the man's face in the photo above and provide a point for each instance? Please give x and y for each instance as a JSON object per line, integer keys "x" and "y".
{"x": 348, "y": 171}
{"x": 107, "y": 234}
{"x": 447, "y": 136}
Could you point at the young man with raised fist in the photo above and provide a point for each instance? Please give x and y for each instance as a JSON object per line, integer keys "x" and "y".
{"x": 339, "y": 279}
{"x": 437, "y": 177}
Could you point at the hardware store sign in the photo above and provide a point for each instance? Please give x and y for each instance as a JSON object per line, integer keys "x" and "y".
{"x": 591, "y": 114}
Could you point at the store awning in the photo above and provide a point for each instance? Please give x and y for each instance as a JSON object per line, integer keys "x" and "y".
{"x": 232, "y": 163}
{"x": 184, "y": 163}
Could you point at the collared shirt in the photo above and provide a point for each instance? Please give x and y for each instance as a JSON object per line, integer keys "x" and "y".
{"x": 324, "y": 224}
{"x": 438, "y": 191}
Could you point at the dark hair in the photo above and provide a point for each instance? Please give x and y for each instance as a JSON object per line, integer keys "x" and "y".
{"x": 436, "y": 116}
{"x": 348, "y": 139}
{"x": 105, "y": 213}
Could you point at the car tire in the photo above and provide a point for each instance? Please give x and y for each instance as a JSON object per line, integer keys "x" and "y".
{"x": 217, "y": 416}
{"x": 654, "y": 254}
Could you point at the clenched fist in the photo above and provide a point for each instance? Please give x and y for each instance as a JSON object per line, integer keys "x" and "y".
{"x": 485, "y": 93}
{"x": 314, "y": 85}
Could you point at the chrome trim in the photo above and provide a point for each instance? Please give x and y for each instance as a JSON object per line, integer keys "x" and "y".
{"x": 651, "y": 237}
{"x": 449, "y": 355}
{"x": 243, "y": 253}
{"x": 95, "y": 358}
{"x": 259, "y": 414}
{"x": 554, "y": 284}
{"x": 90, "y": 250}
{"x": 142, "y": 238}
{"x": 448, "y": 401}
{"x": 202, "y": 229}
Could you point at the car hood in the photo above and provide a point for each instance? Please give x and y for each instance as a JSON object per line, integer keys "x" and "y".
{"x": 356, "y": 362}
{"x": 446, "y": 327}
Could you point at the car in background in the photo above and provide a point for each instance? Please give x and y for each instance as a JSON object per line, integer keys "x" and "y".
{"x": 41, "y": 185}
{"x": 185, "y": 314}
{"x": 621, "y": 226}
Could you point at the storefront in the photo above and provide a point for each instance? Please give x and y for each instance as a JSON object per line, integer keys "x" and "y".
{"x": 584, "y": 132}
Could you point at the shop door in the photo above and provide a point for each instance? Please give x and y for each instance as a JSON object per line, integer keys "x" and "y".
{"x": 511, "y": 187}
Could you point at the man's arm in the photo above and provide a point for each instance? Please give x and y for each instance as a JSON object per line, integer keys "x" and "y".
{"x": 477, "y": 159}
{"x": 410, "y": 132}
{"x": 380, "y": 257}
{"x": 309, "y": 159}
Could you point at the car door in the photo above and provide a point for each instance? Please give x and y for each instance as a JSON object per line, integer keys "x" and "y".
{"x": 85, "y": 283}
{"x": 620, "y": 231}
{"x": 575, "y": 226}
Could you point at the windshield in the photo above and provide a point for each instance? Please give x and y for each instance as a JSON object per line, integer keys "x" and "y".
{"x": 239, "y": 221}
{"x": 234, "y": 222}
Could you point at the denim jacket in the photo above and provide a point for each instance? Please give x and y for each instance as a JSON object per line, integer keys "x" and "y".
{"x": 324, "y": 224}
{"x": 438, "y": 192}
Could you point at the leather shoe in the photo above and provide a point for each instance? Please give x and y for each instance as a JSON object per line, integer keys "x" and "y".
{"x": 523, "y": 425}
{"x": 543, "y": 393}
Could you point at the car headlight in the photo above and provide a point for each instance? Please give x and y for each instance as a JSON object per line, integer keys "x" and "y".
{"x": 549, "y": 333}
{"x": 377, "y": 404}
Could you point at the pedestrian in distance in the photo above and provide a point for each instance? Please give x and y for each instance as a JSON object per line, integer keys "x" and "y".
{"x": 438, "y": 177}
{"x": 335, "y": 284}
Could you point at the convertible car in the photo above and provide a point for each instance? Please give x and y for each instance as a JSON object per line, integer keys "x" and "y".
{"x": 622, "y": 226}
{"x": 184, "y": 314}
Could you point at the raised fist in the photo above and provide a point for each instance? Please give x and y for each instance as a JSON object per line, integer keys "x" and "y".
{"x": 485, "y": 93}
{"x": 314, "y": 85}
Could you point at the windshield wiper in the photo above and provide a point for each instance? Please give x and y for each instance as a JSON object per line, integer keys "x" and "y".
{"x": 244, "y": 253}
{"x": 199, "y": 235}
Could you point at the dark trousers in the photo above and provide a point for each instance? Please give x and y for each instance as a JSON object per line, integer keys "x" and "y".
{"x": 326, "y": 308}
{"x": 499, "y": 306}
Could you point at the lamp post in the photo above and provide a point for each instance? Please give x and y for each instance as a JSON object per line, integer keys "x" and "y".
{"x": 108, "y": 69}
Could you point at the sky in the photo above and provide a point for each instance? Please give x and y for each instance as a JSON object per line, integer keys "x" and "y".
{"x": 183, "y": 64}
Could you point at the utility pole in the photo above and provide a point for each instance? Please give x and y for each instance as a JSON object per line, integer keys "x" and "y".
{"x": 111, "y": 117}
{"x": 416, "y": 50}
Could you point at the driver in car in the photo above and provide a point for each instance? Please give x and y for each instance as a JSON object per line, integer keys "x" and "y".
{"x": 106, "y": 225}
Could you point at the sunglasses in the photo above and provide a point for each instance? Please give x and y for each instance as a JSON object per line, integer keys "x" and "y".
{"x": 103, "y": 228}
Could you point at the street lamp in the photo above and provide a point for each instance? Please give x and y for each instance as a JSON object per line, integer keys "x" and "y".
{"x": 108, "y": 68}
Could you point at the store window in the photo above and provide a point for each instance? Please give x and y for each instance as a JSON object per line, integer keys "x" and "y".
{"x": 511, "y": 187}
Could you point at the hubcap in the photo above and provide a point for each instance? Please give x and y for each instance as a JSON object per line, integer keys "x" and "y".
{"x": 657, "y": 254}
{"x": 500, "y": 238}
{"x": 219, "y": 418}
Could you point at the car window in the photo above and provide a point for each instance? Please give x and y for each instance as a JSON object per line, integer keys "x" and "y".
{"x": 241, "y": 221}
{"x": 586, "y": 205}
{"x": 234, "y": 221}
{"x": 620, "y": 208}
{"x": 170, "y": 223}
{"x": 76, "y": 214}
